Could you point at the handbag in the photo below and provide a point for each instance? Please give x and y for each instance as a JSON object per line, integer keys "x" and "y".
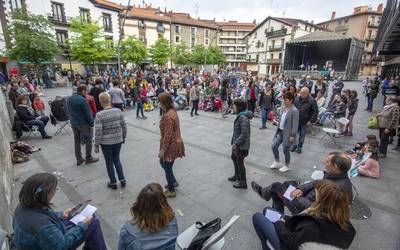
{"x": 205, "y": 232}
{"x": 373, "y": 122}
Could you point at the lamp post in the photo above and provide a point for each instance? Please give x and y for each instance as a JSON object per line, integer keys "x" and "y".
{"x": 121, "y": 31}
{"x": 67, "y": 52}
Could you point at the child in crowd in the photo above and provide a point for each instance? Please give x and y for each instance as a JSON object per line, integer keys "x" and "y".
{"x": 371, "y": 167}
{"x": 38, "y": 105}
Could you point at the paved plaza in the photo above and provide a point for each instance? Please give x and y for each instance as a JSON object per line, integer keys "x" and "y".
{"x": 204, "y": 192}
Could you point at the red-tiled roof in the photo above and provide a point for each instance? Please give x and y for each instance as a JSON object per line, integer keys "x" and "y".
{"x": 108, "y": 4}
{"x": 236, "y": 24}
{"x": 186, "y": 19}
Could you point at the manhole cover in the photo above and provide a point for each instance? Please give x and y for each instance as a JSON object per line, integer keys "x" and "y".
{"x": 359, "y": 211}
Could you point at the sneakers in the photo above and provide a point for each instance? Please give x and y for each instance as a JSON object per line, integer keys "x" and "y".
{"x": 91, "y": 160}
{"x": 170, "y": 194}
{"x": 123, "y": 184}
{"x": 284, "y": 169}
{"x": 112, "y": 186}
{"x": 232, "y": 179}
{"x": 275, "y": 165}
{"x": 47, "y": 137}
{"x": 298, "y": 150}
{"x": 80, "y": 162}
{"x": 263, "y": 127}
{"x": 176, "y": 184}
{"x": 240, "y": 185}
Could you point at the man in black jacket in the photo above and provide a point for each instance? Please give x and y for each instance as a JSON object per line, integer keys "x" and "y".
{"x": 308, "y": 114}
{"x": 336, "y": 167}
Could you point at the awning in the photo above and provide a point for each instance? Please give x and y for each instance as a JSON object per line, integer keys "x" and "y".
{"x": 320, "y": 36}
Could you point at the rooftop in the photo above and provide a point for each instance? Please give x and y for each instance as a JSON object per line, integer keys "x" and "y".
{"x": 357, "y": 11}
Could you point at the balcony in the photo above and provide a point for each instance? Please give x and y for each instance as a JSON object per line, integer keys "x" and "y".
{"x": 373, "y": 24}
{"x": 370, "y": 38}
{"x": 272, "y": 48}
{"x": 341, "y": 28}
{"x": 280, "y": 32}
{"x": 274, "y": 61}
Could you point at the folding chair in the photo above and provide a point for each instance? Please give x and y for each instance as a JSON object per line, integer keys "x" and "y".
{"x": 331, "y": 133}
{"x": 57, "y": 118}
{"x": 215, "y": 242}
{"x": 30, "y": 130}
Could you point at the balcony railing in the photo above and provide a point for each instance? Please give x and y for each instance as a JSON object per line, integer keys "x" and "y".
{"x": 373, "y": 24}
{"x": 58, "y": 19}
{"x": 280, "y": 32}
{"x": 370, "y": 38}
{"x": 271, "y": 49}
{"x": 341, "y": 28}
{"x": 274, "y": 61}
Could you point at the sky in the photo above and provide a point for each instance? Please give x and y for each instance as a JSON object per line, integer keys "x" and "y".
{"x": 248, "y": 10}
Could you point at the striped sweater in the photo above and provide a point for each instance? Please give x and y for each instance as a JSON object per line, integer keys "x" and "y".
{"x": 110, "y": 127}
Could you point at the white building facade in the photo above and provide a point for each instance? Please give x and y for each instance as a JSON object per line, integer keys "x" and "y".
{"x": 266, "y": 42}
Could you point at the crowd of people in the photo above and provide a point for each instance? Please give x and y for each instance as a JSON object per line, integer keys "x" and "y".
{"x": 319, "y": 209}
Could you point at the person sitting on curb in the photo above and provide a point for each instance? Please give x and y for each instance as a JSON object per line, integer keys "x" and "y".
{"x": 336, "y": 167}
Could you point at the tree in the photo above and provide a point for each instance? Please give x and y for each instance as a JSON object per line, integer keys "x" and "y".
{"x": 88, "y": 44}
{"x": 199, "y": 55}
{"x": 160, "y": 52}
{"x": 32, "y": 40}
{"x": 133, "y": 50}
{"x": 216, "y": 55}
{"x": 181, "y": 55}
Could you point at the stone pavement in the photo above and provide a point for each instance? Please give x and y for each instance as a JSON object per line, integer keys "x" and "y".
{"x": 204, "y": 193}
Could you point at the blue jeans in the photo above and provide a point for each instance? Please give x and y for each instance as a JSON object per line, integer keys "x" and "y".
{"x": 265, "y": 230}
{"x": 40, "y": 123}
{"x": 111, "y": 156}
{"x": 139, "y": 107}
{"x": 370, "y": 101}
{"x": 324, "y": 115}
{"x": 264, "y": 116}
{"x": 278, "y": 139}
{"x": 169, "y": 173}
{"x": 92, "y": 237}
{"x": 302, "y": 134}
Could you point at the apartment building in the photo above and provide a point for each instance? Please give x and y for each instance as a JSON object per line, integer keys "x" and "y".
{"x": 148, "y": 24}
{"x": 60, "y": 12}
{"x": 266, "y": 42}
{"x": 231, "y": 39}
{"x": 363, "y": 24}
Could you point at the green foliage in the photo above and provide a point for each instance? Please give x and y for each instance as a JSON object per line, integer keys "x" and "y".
{"x": 216, "y": 56}
{"x": 88, "y": 44}
{"x": 211, "y": 55}
{"x": 199, "y": 55}
{"x": 160, "y": 52}
{"x": 32, "y": 38}
{"x": 181, "y": 54}
{"x": 133, "y": 50}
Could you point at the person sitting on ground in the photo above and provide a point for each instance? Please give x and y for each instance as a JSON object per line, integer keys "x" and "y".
{"x": 326, "y": 221}
{"x": 336, "y": 167}
{"x": 37, "y": 226}
{"x": 29, "y": 117}
{"x": 153, "y": 224}
{"x": 371, "y": 167}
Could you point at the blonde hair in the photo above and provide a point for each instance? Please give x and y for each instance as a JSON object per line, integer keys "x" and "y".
{"x": 104, "y": 98}
{"x": 331, "y": 203}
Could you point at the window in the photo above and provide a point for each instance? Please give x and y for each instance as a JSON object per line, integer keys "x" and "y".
{"x": 16, "y": 4}
{"x": 193, "y": 37}
{"x": 160, "y": 28}
{"x": 282, "y": 42}
{"x": 193, "y": 42}
{"x": 206, "y": 41}
{"x": 107, "y": 25}
{"x": 141, "y": 24}
{"x": 193, "y": 31}
{"x": 280, "y": 55}
{"x": 272, "y": 56}
{"x": 177, "y": 29}
{"x": 177, "y": 39}
{"x": 369, "y": 33}
{"x": 272, "y": 29}
{"x": 273, "y": 44}
{"x": 109, "y": 41}
{"x": 61, "y": 36}
{"x": 206, "y": 33}
{"x": 85, "y": 15}
{"x": 58, "y": 12}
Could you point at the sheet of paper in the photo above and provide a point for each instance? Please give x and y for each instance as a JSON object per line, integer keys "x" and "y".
{"x": 89, "y": 210}
{"x": 272, "y": 215}
{"x": 77, "y": 218}
{"x": 289, "y": 190}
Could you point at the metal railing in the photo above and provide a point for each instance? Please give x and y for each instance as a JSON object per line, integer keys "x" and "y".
{"x": 271, "y": 48}
{"x": 280, "y": 32}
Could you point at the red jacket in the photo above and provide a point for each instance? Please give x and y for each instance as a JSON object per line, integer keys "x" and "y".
{"x": 38, "y": 105}
{"x": 92, "y": 104}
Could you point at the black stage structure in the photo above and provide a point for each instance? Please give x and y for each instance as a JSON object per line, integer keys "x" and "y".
{"x": 342, "y": 52}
